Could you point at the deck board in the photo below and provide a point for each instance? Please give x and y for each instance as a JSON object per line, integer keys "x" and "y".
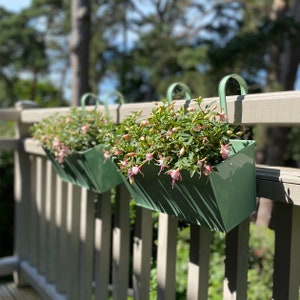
{"x": 9, "y": 291}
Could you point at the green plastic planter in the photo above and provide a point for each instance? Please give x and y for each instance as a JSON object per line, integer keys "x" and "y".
{"x": 88, "y": 169}
{"x": 219, "y": 202}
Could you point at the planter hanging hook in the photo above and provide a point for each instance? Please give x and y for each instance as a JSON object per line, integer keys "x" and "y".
{"x": 222, "y": 89}
{"x": 184, "y": 87}
{"x": 104, "y": 103}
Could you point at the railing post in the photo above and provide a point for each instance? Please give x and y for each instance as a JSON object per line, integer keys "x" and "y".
{"x": 236, "y": 263}
{"x": 166, "y": 257}
{"x": 61, "y": 235}
{"x": 22, "y": 192}
{"x": 142, "y": 250}
{"x": 121, "y": 246}
{"x": 73, "y": 225}
{"x": 102, "y": 245}
{"x": 87, "y": 220}
{"x": 199, "y": 263}
{"x": 50, "y": 210}
{"x": 286, "y": 277}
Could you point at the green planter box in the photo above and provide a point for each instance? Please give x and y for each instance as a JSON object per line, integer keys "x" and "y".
{"x": 88, "y": 169}
{"x": 220, "y": 201}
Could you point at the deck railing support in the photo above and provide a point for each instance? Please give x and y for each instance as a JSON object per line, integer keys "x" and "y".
{"x": 65, "y": 246}
{"x": 236, "y": 262}
{"x": 286, "y": 277}
{"x": 22, "y": 192}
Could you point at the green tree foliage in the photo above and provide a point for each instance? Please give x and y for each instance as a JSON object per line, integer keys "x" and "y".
{"x": 173, "y": 38}
{"x": 22, "y": 50}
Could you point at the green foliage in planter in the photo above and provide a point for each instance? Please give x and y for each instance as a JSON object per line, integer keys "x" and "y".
{"x": 195, "y": 139}
{"x": 78, "y": 130}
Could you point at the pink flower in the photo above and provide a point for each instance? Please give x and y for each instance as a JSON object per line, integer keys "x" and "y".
{"x": 131, "y": 154}
{"x": 149, "y": 156}
{"x": 68, "y": 120}
{"x": 132, "y": 172}
{"x": 208, "y": 169}
{"x": 223, "y": 117}
{"x": 61, "y": 155}
{"x": 162, "y": 163}
{"x": 197, "y": 128}
{"x": 200, "y": 163}
{"x": 126, "y": 136}
{"x": 175, "y": 175}
{"x": 117, "y": 152}
{"x": 85, "y": 128}
{"x": 225, "y": 150}
{"x": 56, "y": 143}
{"x": 106, "y": 155}
{"x": 144, "y": 123}
{"x": 136, "y": 169}
{"x": 204, "y": 168}
{"x": 169, "y": 132}
{"x": 123, "y": 163}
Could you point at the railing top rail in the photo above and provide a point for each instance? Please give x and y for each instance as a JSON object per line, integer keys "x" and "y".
{"x": 281, "y": 108}
{"x": 9, "y": 114}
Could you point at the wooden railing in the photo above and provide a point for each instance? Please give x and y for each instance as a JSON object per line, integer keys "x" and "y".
{"x": 72, "y": 244}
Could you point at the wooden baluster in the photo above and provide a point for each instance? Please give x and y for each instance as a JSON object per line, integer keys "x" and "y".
{"x": 199, "y": 263}
{"x": 142, "y": 250}
{"x": 73, "y": 222}
{"x": 50, "y": 209}
{"x": 33, "y": 219}
{"x": 22, "y": 193}
{"x": 61, "y": 235}
{"x": 121, "y": 234}
{"x": 236, "y": 262}
{"x": 166, "y": 257}
{"x": 102, "y": 245}
{"x": 286, "y": 277}
{"x": 87, "y": 220}
{"x": 42, "y": 229}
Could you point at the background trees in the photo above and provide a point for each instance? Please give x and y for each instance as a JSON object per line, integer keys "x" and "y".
{"x": 141, "y": 47}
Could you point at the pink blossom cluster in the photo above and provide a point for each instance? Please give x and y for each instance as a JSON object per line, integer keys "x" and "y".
{"x": 175, "y": 140}
{"x": 60, "y": 150}
{"x": 162, "y": 162}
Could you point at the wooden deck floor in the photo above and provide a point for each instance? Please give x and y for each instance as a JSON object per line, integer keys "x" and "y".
{"x": 9, "y": 291}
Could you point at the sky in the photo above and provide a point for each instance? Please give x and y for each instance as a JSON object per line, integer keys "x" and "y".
{"x": 15, "y": 5}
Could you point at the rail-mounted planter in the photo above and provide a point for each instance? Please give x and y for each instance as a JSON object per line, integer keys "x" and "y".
{"x": 220, "y": 201}
{"x": 217, "y": 196}
{"x": 63, "y": 137}
{"x": 88, "y": 169}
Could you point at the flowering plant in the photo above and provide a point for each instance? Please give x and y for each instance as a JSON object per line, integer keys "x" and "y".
{"x": 78, "y": 130}
{"x": 193, "y": 139}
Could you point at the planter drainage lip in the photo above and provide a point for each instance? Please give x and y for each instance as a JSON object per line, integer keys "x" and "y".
{"x": 88, "y": 169}
{"x": 219, "y": 202}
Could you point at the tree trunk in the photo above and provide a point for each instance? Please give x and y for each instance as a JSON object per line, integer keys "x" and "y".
{"x": 284, "y": 61}
{"x": 79, "y": 48}
{"x": 284, "y": 65}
